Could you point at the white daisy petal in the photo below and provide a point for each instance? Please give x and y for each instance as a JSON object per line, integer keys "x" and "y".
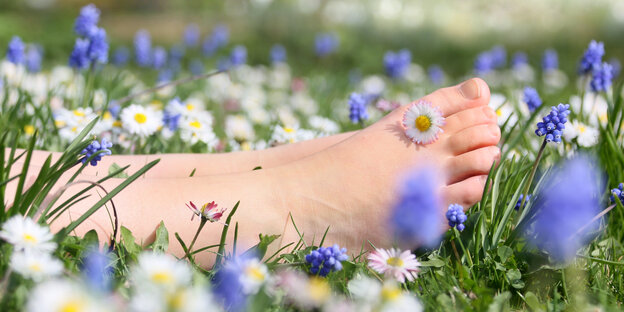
{"x": 422, "y": 122}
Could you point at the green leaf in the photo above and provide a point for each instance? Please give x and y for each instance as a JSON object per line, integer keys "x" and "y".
{"x": 128, "y": 241}
{"x": 90, "y": 239}
{"x": 504, "y": 252}
{"x": 260, "y": 249}
{"x": 500, "y": 303}
{"x": 115, "y": 167}
{"x": 514, "y": 274}
{"x": 532, "y": 301}
{"x": 161, "y": 243}
{"x": 436, "y": 263}
{"x": 518, "y": 284}
{"x": 257, "y": 168}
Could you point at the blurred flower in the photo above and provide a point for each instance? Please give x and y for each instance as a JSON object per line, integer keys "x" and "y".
{"x": 140, "y": 120}
{"x": 238, "y": 55}
{"x": 95, "y": 147}
{"x": 326, "y": 259}
{"x": 484, "y": 63}
{"x": 143, "y": 48}
{"x": 553, "y": 124}
{"x": 499, "y": 56}
{"x": 569, "y": 200}
{"x": 26, "y": 235}
{"x": 357, "y": 107}
{"x": 397, "y": 63}
{"x": 191, "y": 35}
{"x": 159, "y": 57}
{"x": 602, "y": 74}
{"x": 15, "y": 52}
{"x": 221, "y": 35}
{"x": 532, "y": 98}
{"x": 618, "y": 192}
{"x": 33, "y": 57}
{"x": 283, "y": 135}
{"x": 324, "y": 125}
{"x": 121, "y": 56}
{"x": 616, "y": 67}
{"x": 176, "y": 52}
{"x": 371, "y": 295}
{"x": 207, "y": 211}
{"x": 550, "y": 60}
{"x": 278, "y": 54}
{"x": 86, "y": 22}
{"x": 325, "y": 43}
{"x": 585, "y": 135}
{"x": 415, "y": 218}
{"x": 422, "y": 122}
{"x": 400, "y": 265}
{"x": 456, "y": 216}
{"x": 237, "y": 279}
{"x": 63, "y": 295}
{"x": 164, "y": 76}
{"x": 35, "y": 265}
{"x": 97, "y": 270}
{"x": 239, "y": 128}
{"x": 386, "y": 105}
{"x": 304, "y": 292}
{"x": 185, "y": 299}
{"x": 98, "y": 47}
{"x": 592, "y": 57}
{"x": 519, "y": 202}
{"x": 519, "y": 60}
{"x": 436, "y": 74}
{"x": 196, "y": 67}
{"x": 172, "y": 114}
{"x": 159, "y": 273}
{"x": 79, "y": 58}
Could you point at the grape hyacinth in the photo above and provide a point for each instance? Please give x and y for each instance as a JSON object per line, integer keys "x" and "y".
{"x": 172, "y": 114}
{"x": 86, "y": 22}
{"x": 15, "y": 52}
{"x": 520, "y": 199}
{"x": 326, "y": 259}
{"x": 325, "y": 44}
{"x": 436, "y": 74}
{"x": 33, "y": 58}
{"x": 553, "y": 124}
{"x": 616, "y": 67}
{"x": 78, "y": 57}
{"x": 519, "y": 60}
{"x": 483, "y": 63}
{"x": 550, "y": 60}
{"x": 499, "y": 56}
{"x": 96, "y": 147}
{"x": 98, "y": 47}
{"x": 602, "y": 75}
{"x": 238, "y": 55}
{"x": 618, "y": 192}
{"x": 92, "y": 46}
{"x": 397, "y": 63}
{"x": 278, "y": 54}
{"x": 191, "y": 35}
{"x": 143, "y": 48}
{"x": 592, "y": 57}
{"x": 159, "y": 57}
{"x": 565, "y": 207}
{"x": 532, "y": 98}
{"x": 357, "y": 107}
{"x": 456, "y": 216}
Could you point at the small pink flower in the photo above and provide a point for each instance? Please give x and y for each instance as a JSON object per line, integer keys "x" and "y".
{"x": 394, "y": 263}
{"x": 207, "y": 211}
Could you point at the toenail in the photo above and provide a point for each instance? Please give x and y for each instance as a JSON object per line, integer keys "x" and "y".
{"x": 470, "y": 89}
{"x": 489, "y": 112}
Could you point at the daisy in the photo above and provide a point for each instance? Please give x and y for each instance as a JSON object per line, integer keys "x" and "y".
{"x": 306, "y": 293}
{"x": 239, "y": 128}
{"x": 422, "y": 122}
{"x": 142, "y": 121}
{"x": 207, "y": 211}
{"x": 585, "y": 135}
{"x": 324, "y": 125}
{"x": 36, "y": 265}
{"x": 25, "y": 234}
{"x": 198, "y": 129}
{"x": 159, "y": 272}
{"x": 393, "y": 262}
{"x": 63, "y": 295}
{"x": 188, "y": 299}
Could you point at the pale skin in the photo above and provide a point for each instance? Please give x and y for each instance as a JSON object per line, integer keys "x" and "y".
{"x": 348, "y": 184}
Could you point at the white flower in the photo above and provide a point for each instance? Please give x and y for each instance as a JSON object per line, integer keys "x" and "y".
{"x": 159, "y": 272}
{"x": 63, "y": 295}
{"x": 259, "y": 116}
{"x": 370, "y": 295}
{"x": 324, "y": 125}
{"x": 35, "y": 265}
{"x": 253, "y": 274}
{"x": 304, "y": 103}
{"x": 594, "y": 107}
{"x": 586, "y": 136}
{"x": 373, "y": 85}
{"x": 282, "y": 135}
{"x": 394, "y": 263}
{"x": 25, "y": 234}
{"x": 182, "y": 300}
{"x": 306, "y": 293}
{"x": 140, "y": 120}
{"x": 422, "y": 122}
{"x": 504, "y": 111}
{"x": 279, "y": 76}
{"x": 239, "y": 128}
{"x": 253, "y": 98}
{"x": 198, "y": 129}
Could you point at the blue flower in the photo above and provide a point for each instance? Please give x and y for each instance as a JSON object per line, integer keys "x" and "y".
{"x": 96, "y": 147}
{"x": 326, "y": 259}
{"x": 532, "y": 98}
{"x": 172, "y": 114}
{"x": 325, "y": 43}
{"x": 159, "y": 57}
{"x": 221, "y": 35}
{"x": 456, "y": 216}
{"x": 436, "y": 74}
{"x": 143, "y": 48}
{"x": 238, "y": 55}
{"x": 191, "y": 35}
{"x": 416, "y": 218}
{"x": 593, "y": 56}
{"x": 553, "y": 124}
{"x": 278, "y": 54}
{"x": 176, "y": 52}
{"x": 526, "y": 202}
{"x": 357, "y": 107}
{"x": 209, "y": 47}
{"x": 499, "y": 56}
{"x": 616, "y": 67}
{"x": 196, "y": 67}
{"x": 15, "y": 52}
{"x": 79, "y": 57}
{"x": 97, "y": 270}
{"x": 618, "y": 192}
{"x": 550, "y": 60}
{"x": 98, "y": 47}
{"x": 114, "y": 109}
{"x": 237, "y": 279}
{"x": 602, "y": 75}
{"x": 484, "y": 63}
{"x": 33, "y": 59}
{"x": 86, "y": 22}
{"x": 397, "y": 63}
{"x": 519, "y": 60}
{"x": 565, "y": 206}
{"x": 121, "y": 56}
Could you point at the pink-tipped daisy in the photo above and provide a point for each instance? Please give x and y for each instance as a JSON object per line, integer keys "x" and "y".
{"x": 394, "y": 263}
{"x": 207, "y": 211}
{"x": 423, "y": 122}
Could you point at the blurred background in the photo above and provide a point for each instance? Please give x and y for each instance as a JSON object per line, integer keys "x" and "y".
{"x": 450, "y": 33}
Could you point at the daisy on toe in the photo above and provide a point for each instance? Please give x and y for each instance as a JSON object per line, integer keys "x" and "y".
{"x": 423, "y": 122}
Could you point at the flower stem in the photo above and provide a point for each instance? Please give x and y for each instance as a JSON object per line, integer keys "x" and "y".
{"x": 464, "y": 250}
{"x": 531, "y": 176}
{"x": 190, "y": 249}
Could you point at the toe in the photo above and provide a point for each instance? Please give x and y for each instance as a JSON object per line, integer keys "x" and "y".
{"x": 470, "y": 93}
{"x": 473, "y": 138}
{"x": 474, "y": 163}
{"x": 467, "y": 192}
{"x": 470, "y": 117}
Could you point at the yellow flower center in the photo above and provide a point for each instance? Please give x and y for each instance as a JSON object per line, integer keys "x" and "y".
{"x": 35, "y": 267}
{"x": 72, "y": 306}
{"x": 190, "y": 107}
{"x": 395, "y": 262}
{"x": 289, "y": 130}
{"x": 107, "y": 115}
{"x": 318, "y": 289}
{"x": 423, "y": 123}
{"x": 246, "y": 146}
{"x": 499, "y": 112}
{"x": 390, "y": 292}
{"x": 195, "y": 124}
{"x": 140, "y": 118}
{"x": 176, "y": 301}
{"x": 29, "y": 238}
{"x": 59, "y": 123}
{"x": 603, "y": 117}
{"x": 582, "y": 129}
{"x": 162, "y": 278}
{"x": 117, "y": 124}
{"x": 29, "y": 129}
{"x": 79, "y": 113}
{"x": 255, "y": 273}
{"x": 74, "y": 129}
